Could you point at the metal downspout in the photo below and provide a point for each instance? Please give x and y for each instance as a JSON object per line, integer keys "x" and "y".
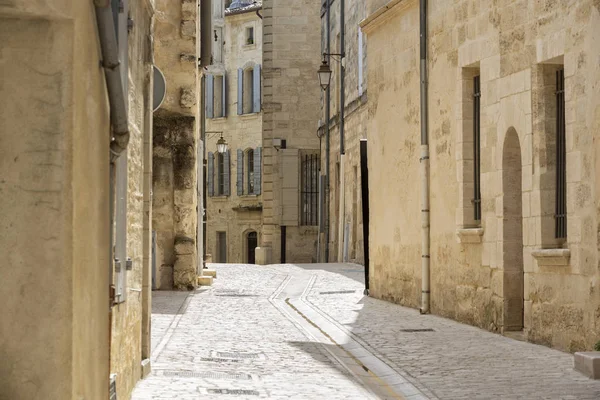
{"x": 112, "y": 71}
{"x": 342, "y": 187}
{"x": 327, "y": 137}
{"x": 424, "y": 162}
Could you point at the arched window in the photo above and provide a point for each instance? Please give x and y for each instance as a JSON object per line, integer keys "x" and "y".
{"x": 250, "y": 169}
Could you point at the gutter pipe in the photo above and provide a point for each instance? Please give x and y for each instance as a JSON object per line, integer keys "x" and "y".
{"x": 327, "y": 137}
{"x": 112, "y": 71}
{"x": 424, "y": 162}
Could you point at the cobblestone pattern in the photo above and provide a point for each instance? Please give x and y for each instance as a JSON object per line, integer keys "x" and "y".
{"x": 235, "y": 315}
{"x": 455, "y": 361}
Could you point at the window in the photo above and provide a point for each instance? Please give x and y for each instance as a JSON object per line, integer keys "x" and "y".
{"x": 216, "y": 96}
{"x": 250, "y": 169}
{"x": 309, "y": 193}
{"x": 560, "y": 230}
{"x": 249, "y": 99}
{"x": 476, "y": 149}
{"x": 248, "y": 95}
{"x": 249, "y": 35}
{"x": 469, "y": 150}
{"x": 360, "y": 61}
{"x": 220, "y": 174}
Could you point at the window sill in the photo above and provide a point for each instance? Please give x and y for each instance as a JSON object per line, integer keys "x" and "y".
{"x": 469, "y": 235}
{"x": 249, "y": 196}
{"x": 221, "y": 197}
{"x": 216, "y": 119}
{"x": 552, "y": 257}
{"x": 249, "y": 115}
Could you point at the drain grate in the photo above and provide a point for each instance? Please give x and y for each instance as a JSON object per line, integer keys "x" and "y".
{"x": 218, "y": 360}
{"x": 226, "y": 354}
{"x": 207, "y": 375}
{"x": 339, "y": 292}
{"x": 242, "y": 392}
{"x": 417, "y": 330}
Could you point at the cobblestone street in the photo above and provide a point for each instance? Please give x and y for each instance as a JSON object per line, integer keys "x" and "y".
{"x": 307, "y": 332}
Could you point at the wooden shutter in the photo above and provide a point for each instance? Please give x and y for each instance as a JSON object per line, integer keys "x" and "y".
{"x": 240, "y": 91}
{"x": 257, "y": 169}
{"x": 227, "y": 188}
{"x": 224, "y": 96}
{"x": 256, "y": 89}
{"x": 210, "y": 95}
{"x": 210, "y": 174}
{"x": 240, "y": 172}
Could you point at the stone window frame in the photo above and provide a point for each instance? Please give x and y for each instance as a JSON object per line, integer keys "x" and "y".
{"x": 469, "y": 230}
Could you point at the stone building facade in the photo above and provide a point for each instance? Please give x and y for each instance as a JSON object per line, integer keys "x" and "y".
{"x": 76, "y": 203}
{"x": 233, "y": 107}
{"x": 345, "y": 234}
{"x": 514, "y": 112}
{"x": 175, "y": 141}
{"x": 291, "y": 47}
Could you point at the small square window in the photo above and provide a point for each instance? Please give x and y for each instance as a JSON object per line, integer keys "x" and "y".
{"x": 250, "y": 35}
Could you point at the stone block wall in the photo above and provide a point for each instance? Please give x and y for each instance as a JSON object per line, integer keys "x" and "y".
{"x": 175, "y": 144}
{"x": 291, "y": 57}
{"x": 515, "y": 47}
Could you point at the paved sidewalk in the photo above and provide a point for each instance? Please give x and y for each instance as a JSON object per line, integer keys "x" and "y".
{"x": 267, "y": 332}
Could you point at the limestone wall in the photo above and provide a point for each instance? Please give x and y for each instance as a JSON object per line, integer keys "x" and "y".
{"x": 126, "y": 353}
{"x": 175, "y": 138}
{"x": 354, "y": 130}
{"x": 290, "y": 111}
{"x": 515, "y": 48}
{"x": 242, "y": 132}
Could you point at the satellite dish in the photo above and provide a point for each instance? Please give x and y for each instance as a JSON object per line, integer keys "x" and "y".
{"x": 160, "y": 88}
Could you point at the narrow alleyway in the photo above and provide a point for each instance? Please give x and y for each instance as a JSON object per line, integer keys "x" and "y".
{"x": 307, "y": 332}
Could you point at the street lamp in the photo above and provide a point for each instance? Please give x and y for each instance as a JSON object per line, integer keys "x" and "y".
{"x": 222, "y": 145}
{"x": 324, "y": 74}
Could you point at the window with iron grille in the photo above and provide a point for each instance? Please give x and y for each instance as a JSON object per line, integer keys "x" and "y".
{"x": 309, "y": 193}
{"x": 560, "y": 231}
{"x": 476, "y": 148}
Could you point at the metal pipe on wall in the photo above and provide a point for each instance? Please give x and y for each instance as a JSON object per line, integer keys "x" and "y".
{"x": 342, "y": 188}
{"x": 326, "y": 208}
{"x": 424, "y": 162}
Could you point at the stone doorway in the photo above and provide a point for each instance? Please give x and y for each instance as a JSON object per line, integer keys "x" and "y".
{"x": 512, "y": 233}
{"x": 222, "y": 247}
{"x": 251, "y": 243}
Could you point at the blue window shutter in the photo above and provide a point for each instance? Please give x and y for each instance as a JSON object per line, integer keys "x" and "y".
{"x": 224, "y": 97}
{"x": 257, "y": 169}
{"x": 210, "y": 174}
{"x": 240, "y": 172}
{"x": 256, "y": 89}
{"x": 210, "y": 95}
{"x": 240, "y": 91}
{"x": 226, "y": 189}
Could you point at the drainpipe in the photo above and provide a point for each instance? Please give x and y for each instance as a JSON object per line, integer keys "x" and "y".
{"x": 112, "y": 71}
{"x": 327, "y": 138}
{"x": 342, "y": 208}
{"x": 424, "y": 161}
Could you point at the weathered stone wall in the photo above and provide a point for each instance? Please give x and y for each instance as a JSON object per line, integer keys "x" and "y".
{"x": 355, "y": 127}
{"x": 175, "y": 146}
{"x": 126, "y": 330}
{"x": 226, "y": 213}
{"x": 291, "y": 57}
{"x": 513, "y": 46}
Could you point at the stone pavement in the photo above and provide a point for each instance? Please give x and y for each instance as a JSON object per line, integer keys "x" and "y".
{"x": 307, "y": 332}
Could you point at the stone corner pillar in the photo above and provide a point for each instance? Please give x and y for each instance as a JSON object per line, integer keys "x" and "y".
{"x": 184, "y": 270}
{"x": 263, "y": 255}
